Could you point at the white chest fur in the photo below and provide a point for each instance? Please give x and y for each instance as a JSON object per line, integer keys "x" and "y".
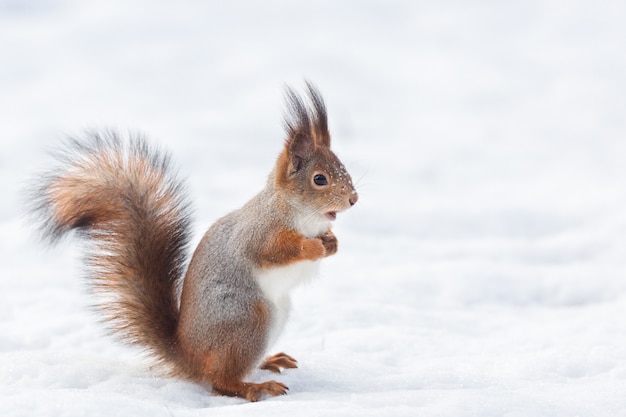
{"x": 276, "y": 284}
{"x": 311, "y": 225}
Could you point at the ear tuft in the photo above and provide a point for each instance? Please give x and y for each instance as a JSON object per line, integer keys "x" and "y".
{"x": 307, "y": 119}
{"x": 319, "y": 116}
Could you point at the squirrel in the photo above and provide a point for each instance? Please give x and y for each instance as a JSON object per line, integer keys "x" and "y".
{"x": 213, "y": 323}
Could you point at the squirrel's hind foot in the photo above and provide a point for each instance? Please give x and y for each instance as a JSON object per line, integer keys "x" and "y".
{"x": 251, "y": 391}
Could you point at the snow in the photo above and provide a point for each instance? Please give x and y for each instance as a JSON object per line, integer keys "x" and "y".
{"x": 481, "y": 273}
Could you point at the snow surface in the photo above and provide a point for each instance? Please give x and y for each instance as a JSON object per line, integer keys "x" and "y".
{"x": 482, "y": 272}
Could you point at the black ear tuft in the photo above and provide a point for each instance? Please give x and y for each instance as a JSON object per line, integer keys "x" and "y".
{"x": 320, "y": 117}
{"x": 306, "y": 119}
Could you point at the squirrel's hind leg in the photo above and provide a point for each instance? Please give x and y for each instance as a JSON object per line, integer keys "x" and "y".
{"x": 225, "y": 364}
{"x": 280, "y": 360}
{"x": 225, "y": 368}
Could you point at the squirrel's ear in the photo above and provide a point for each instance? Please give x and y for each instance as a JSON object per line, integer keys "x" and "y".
{"x": 299, "y": 148}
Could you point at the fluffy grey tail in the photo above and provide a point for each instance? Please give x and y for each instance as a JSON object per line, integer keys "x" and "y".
{"x": 126, "y": 200}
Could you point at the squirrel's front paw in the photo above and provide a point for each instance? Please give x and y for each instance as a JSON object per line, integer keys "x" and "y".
{"x": 329, "y": 240}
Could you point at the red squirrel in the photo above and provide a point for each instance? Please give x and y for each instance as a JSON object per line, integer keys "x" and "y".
{"x": 125, "y": 198}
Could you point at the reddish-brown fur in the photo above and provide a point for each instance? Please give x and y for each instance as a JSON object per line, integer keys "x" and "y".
{"x": 131, "y": 207}
{"x": 288, "y": 246}
{"x": 280, "y": 360}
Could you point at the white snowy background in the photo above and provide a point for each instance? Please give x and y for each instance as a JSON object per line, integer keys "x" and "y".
{"x": 483, "y": 271}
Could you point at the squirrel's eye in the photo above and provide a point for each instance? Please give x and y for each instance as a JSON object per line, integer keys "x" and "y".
{"x": 320, "y": 179}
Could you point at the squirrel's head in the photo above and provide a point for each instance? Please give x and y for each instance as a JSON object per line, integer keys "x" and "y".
{"x": 307, "y": 170}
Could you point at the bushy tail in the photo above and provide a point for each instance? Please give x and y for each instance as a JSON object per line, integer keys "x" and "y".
{"x": 124, "y": 197}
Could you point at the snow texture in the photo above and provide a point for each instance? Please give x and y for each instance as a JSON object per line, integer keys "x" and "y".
{"x": 482, "y": 272}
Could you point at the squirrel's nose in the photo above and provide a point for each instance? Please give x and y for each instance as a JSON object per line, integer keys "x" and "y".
{"x": 353, "y": 199}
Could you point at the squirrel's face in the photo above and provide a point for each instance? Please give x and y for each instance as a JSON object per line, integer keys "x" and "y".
{"x": 329, "y": 186}
{"x": 317, "y": 181}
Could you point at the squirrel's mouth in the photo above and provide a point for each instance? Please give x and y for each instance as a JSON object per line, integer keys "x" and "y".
{"x": 331, "y": 215}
